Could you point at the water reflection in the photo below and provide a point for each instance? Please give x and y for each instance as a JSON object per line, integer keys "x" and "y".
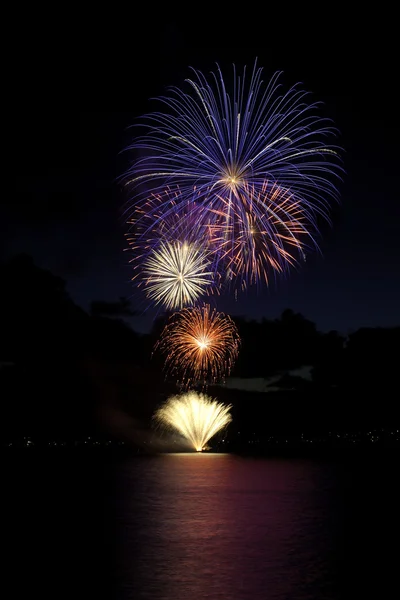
{"x": 221, "y": 527}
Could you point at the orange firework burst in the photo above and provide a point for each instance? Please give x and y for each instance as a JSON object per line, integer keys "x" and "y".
{"x": 200, "y": 343}
{"x": 261, "y": 233}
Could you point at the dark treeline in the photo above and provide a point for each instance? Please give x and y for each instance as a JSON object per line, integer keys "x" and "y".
{"x": 66, "y": 373}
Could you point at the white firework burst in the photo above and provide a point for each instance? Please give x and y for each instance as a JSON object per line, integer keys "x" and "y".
{"x": 176, "y": 274}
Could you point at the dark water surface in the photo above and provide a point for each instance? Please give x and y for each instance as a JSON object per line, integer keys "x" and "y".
{"x": 181, "y": 527}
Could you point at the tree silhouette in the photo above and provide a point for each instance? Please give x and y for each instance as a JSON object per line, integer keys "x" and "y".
{"x": 68, "y": 366}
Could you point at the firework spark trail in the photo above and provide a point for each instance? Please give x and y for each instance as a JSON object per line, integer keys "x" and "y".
{"x": 269, "y": 235}
{"x": 200, "y": 344}
{"x": 176, "y": 275}
{"x": 167, "y": 216}
{"x": 250, "y": 240}
{"x": 234, "y": 149}
{"x": 196, "y": 417}
{"x": 171, "y": 256}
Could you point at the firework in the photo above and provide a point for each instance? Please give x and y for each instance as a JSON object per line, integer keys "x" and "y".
{"x": 176, "y": 274}
{"x": 166, "y": 238}
{"x": 167, "y": 217}
{"x": 196, "y": 417}
{"x": 244, "y": 153}
{"x": 200, "y": 344}
{"x": 254, "y": 242}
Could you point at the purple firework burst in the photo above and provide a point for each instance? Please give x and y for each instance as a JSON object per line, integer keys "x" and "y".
{"x": 253, "y": 164}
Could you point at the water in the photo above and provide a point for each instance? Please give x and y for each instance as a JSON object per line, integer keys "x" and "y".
{"x": 179, "y": 527}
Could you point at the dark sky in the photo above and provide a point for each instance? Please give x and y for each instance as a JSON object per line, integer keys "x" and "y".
{"x": 71, "y": 124}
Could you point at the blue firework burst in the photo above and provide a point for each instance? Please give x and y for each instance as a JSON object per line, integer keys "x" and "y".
{"x": 257, "y": 160}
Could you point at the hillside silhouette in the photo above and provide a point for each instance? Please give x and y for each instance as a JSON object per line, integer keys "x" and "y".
{"x": 66, "y": 373}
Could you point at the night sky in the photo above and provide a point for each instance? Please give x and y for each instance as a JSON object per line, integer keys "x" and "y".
{"x": 73, "y": 122}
